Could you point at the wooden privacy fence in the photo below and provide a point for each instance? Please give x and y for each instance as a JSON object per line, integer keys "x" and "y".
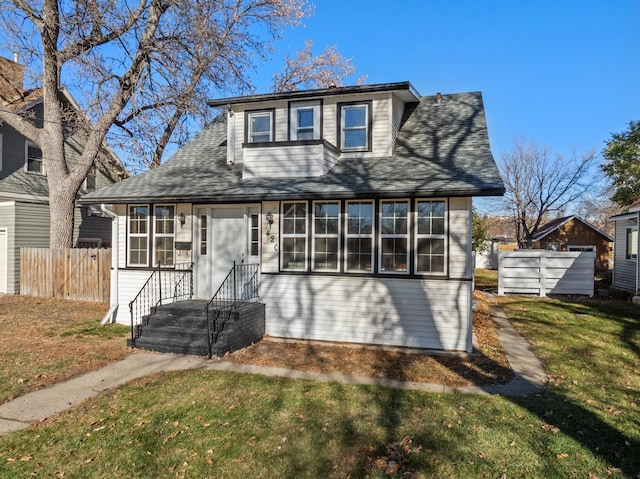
{"x": 78, "y": 273}
{"x": 544, "y": 272}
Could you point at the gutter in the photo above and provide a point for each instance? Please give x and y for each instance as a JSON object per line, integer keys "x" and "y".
{"x": 110, "y": 317}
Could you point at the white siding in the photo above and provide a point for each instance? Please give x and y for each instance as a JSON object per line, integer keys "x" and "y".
{"x": 460, "y": 238}
{"x": 397, "y": 110}
{"x": 386, "y": 115}
{"x": 130, "y": 282}
{"x": 121, "y": 211}
{"x": 183, "y": 232}
{"x": 624, "y": 270}
{"x": 402, "y": 312}
{"x": 3, "y": 260}
{"x": 380, "y": 129}
{"x": 330, "y": 121}
{"x": 280, "y": 118}
{"x": 287, "y": 161}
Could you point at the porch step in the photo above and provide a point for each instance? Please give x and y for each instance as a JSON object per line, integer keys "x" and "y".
{"x": 174, "y": 345}
{"x": 181, "y": 328}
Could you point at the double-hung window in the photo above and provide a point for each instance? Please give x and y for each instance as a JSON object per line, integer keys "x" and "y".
{"x": 164, "y": 221}
{"x": 359, "y": 237}
{"x": 304, "y": 120}
{"x": 33, "y": 156}
{"x": 138, "y": 235}
{"x": 632, "y": 243}
{"x": 394, "y": 236}
{"x": 294, "y": 235}
{"x": 326, "y": 235}
{"x": 354, "y": 127}
{"x": 430, "y": 237}
{"x": 259, "y": 126}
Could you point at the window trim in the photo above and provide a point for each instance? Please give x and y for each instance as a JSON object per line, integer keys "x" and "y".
{"x": 416, "y": 236}
{"x": 294, "y": 106}
{"x": 315, "y": 235}
{"x": 251, "y": 228}
{"x": 27, "y": 145}
{"x": 138, "y": 235}
{"x": 371, "y": 236}
{"x": 247, "y": 124}
{"x": 407, "y": 236}
{"x": 369, "y": 121}
{"x": 284, "y": 235}
{"x": 155, "y": 235}
{"x": 632, "y": 253}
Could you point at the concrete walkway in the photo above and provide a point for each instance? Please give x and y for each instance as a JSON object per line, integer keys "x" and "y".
{"x": 33, "y": 407}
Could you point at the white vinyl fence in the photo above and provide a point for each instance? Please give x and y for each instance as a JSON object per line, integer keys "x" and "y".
{"x": 544, "y": 272}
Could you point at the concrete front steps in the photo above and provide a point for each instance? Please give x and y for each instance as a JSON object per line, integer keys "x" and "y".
{"x": 181, "y": 328}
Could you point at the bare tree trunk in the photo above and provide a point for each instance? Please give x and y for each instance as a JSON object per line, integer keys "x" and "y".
{"x": 61, "y": 210}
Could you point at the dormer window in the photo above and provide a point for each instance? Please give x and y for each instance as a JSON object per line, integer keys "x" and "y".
{"x": 304, "y": 120}
{"x": 355, "y": 126}
{"x": 260, "y": 126}
{"x": 33, "y": 158}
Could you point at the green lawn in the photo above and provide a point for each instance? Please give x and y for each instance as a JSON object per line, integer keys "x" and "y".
{"x": 201, "y": 424}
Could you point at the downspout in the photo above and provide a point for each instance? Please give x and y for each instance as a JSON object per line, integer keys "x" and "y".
{"x": 110, "y": 317}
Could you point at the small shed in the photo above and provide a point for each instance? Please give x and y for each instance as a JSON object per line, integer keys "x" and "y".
{"x": 572, "y": 233}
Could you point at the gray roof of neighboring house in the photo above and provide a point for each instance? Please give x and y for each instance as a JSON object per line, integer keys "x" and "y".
{"x": 442, "y": 149}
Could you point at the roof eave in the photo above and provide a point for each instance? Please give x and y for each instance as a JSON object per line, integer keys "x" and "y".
{"x": 276, "y": 196}
{"x": 298, "y": 94}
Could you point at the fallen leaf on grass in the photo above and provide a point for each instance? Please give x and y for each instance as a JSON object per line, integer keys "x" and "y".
{"x": 562, "y": 455}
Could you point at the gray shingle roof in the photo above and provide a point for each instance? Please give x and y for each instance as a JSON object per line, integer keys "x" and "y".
{"x": 442, "y": 149}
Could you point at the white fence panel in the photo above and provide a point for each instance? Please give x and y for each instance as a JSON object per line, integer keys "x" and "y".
{"x": 544, "y": 272}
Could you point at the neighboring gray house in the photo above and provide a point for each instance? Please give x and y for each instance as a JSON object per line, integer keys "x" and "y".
{"x": 24, "y": 203}
{"x": 626, "y": 250}
{"x": 355, "y": 202}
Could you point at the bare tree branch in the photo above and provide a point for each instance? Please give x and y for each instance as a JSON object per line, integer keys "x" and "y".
{"x": 538, "y": 184}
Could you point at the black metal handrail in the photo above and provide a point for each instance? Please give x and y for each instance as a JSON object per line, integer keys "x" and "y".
{"x": 177, "y": 280}
{"x": 242, "y": 285}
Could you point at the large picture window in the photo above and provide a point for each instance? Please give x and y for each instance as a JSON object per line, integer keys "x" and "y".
{"x": 430, "y": 236}
{"x": 138, "y": 235}
{"x": 354, "y": 127}
{"x": 359, "y": 237}
{"x": 632, "y": 243}
{"x": 294, "y": 236}
{"x": 164, "y": 234}
{"x": 259, "y": 126}
{"x": 304, "y": 120}
{"x": 394, "y": 236}
{"x": 326, "y": 235}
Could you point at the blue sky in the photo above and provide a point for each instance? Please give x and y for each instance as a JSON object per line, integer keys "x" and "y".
{"x": 564, "y": 74}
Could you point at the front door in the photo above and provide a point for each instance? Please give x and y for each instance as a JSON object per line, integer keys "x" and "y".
{"x": 224, "y": 234}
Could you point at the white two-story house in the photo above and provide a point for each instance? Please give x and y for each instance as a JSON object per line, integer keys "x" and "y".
{"x": 355, "y": 202}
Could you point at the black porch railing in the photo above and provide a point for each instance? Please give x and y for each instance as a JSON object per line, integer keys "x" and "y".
{"x": 242, "y": 285}
{"x": 165, "y": 285}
